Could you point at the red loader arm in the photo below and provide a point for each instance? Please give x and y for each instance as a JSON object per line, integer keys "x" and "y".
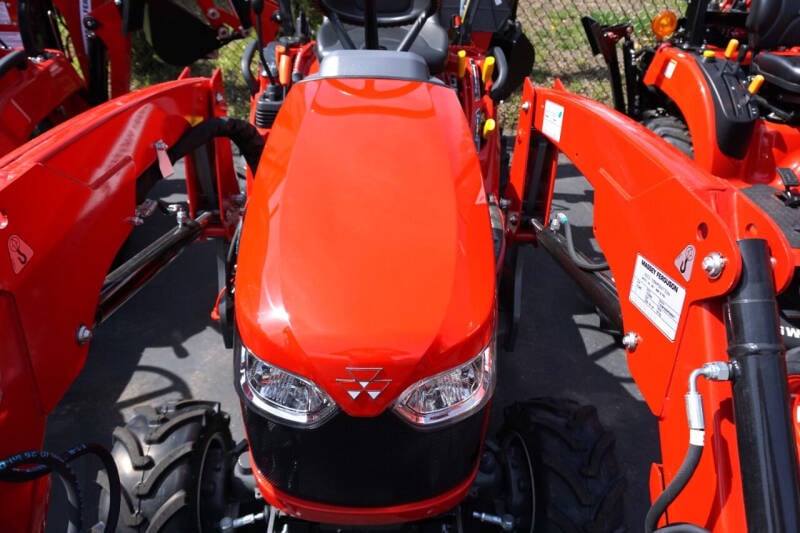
{"x": 67, "y": 203}
{"x": 651, "y": 205}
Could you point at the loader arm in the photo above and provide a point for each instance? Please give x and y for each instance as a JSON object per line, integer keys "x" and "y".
{"x": 68, "y": 201}
{"x": 651, "y": 205}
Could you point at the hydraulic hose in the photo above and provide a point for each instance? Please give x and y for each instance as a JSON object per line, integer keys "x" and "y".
{"x": 46, "y": 463}
{"x": 714, "y": 371}
{"x": 241, "y": 132}
{"x": 690, "y": 462}
{"x": 244, "y": 66}
{"x": 502, "y": 73}
{"x": 682, "y": 528}
{"x": 580, "y": 262}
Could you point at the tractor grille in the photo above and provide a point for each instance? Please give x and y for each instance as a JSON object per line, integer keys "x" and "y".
{"x": 364, "y": 462}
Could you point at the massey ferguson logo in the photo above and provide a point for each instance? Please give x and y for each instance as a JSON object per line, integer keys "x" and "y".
{"x": 364, "y": 380}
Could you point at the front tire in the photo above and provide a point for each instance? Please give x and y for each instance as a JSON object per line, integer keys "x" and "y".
{"x": 173, "y": 463}
{"x": 578, "y": 486}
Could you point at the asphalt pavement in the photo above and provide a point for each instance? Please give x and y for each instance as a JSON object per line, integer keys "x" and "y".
{"x": 163, "y": 346}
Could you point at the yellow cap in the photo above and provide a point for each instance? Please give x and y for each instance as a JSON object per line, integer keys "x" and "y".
{"x": 664, "y": 24}
{"x": 488, "y": 69}
{"x": 732, "y": 48}
{"x": 488, "y": 127}
{"x": 462, "y": 63}
{"x": 755, "y": 84}
{"x": 709, "y": 53}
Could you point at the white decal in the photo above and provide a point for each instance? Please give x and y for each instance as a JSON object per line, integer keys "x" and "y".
{"x": 685, "y": 261}
{"x": 788, "y": 331}
{"x": 670, "y": 69}
{"x": 657, "y": 296}
{"x": 5, "y": 18}
{"x": 19, "y": 252}
{"x": 553, "y": 119}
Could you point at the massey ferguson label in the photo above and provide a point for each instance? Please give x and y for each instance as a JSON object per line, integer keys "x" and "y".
{"x": 659, "y": 297}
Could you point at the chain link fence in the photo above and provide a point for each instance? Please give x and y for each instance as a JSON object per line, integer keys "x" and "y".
{"x": 562, "y": 49}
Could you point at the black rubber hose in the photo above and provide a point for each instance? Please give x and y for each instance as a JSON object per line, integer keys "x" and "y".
{"x": 677, "y": 484}
{"x": 241, "y": 132}
{"x": 579, "y": 262}
{"x": 501, "y": 66}
{"x": 46, "y": 463}
{"x": 682, "y": 528}
{"x": 247, "y": 59}
{"x": 110, "y": 467}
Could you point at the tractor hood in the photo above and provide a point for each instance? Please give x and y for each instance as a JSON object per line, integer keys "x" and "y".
{"x": 366, "y": 246}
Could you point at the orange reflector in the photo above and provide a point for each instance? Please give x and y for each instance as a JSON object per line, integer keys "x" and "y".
{"x": 755, "y": 84}
{"x": 462, "y": 63}
{"x": 664, "y": 24}
{"x": 488, "y": 69}
{"x": 732, "y": 48}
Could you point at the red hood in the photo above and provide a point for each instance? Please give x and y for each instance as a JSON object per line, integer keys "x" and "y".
{"x": 366, "y": 242}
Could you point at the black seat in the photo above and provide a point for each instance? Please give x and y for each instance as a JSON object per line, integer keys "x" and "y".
{"x": 773, "y": 25}
{"x": 431, "y": 43}
{"x": 780, "y": 70}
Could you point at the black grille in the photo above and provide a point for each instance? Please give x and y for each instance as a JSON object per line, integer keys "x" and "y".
{"x": 364, "y": 462}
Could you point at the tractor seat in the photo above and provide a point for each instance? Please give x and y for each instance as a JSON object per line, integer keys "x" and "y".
{"x": 431, "y": 43}
{"x": 780, "y": 70}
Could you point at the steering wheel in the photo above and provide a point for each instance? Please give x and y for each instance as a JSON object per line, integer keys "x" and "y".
{"x": 352, "y": 12}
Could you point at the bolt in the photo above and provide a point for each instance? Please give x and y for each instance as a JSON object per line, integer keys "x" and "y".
{"x": 513, "y": 219}
{"x": 526, "y": 106}
{"x": 505, "y": 203}
{"x": 630, "y": 341}
{"x": 219, "y": 97}
{"x": 212, "y": 14}
{"x": 83, "y": 335}
{"x": 714, "y": 264}
{"x": 90, "y": 23}
{"x": 181, "y": 216}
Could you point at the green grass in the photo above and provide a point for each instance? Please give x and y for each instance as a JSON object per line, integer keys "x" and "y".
{"x": 148, "y": 70}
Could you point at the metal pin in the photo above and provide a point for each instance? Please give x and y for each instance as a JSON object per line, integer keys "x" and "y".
{"x": 83, "y": 335}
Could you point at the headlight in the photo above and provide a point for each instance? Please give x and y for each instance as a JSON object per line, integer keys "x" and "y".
{"x": 281, "y": 395}
{"x": 452, "y": 395}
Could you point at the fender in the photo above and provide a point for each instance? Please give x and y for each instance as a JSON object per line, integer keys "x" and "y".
{"x": 56, "y": 255}
{"x": 32, "y": 93}
{"x": 676, "y": 73}
{"x": 635, "y": 220}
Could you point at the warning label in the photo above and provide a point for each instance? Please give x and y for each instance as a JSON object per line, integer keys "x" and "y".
{"x": 553, "y": 119}
{"x": 19, "y": 252}
{"x": 657, "y": 296}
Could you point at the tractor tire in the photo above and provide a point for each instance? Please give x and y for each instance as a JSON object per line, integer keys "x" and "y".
{"x": 173, "y": 465}
{"x": 578, "y": 485}
{"x": 673, "y": 130}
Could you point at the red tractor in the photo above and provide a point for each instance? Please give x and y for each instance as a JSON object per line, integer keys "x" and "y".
{"x": 370, "y": 266}
{"x": 59, "y": 57}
